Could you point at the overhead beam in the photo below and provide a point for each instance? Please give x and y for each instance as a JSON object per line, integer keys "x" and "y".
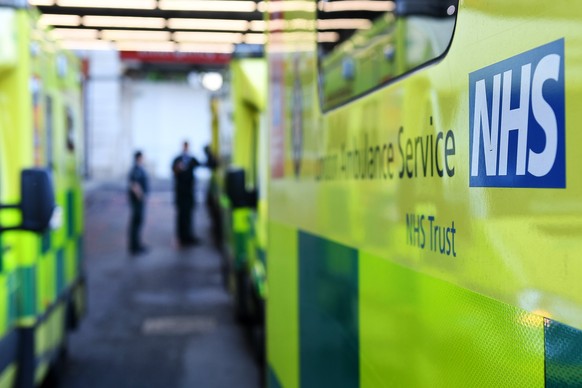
{"x": 166, "y": 14}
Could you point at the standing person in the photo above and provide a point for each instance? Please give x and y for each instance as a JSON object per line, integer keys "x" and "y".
{"x": 184, "y": 187}
{"x": 137, "y": 191}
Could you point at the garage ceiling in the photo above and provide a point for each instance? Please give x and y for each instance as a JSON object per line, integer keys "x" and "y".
{"x": 182, "y": 27}
{"x": 210, "y": 26}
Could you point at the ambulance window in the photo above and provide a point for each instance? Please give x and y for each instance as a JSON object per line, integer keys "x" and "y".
{"x": 70, "y": 128}
{"x": 363, "y": 44}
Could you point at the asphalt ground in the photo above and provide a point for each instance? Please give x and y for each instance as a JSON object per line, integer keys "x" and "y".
{"x": 161, "y": 319}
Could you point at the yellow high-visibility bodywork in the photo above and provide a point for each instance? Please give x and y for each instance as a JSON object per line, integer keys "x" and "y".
{"x": 40, "y": 126}
{"x": 8, "y": 270}
{"x": 416, "y": 235}
{"x": 249, "y": 88}
{"x": 242, "y": 146}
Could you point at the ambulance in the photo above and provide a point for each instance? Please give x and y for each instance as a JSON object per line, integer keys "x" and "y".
{"x": 241, "y": 144}
{"x": 43, "y": 286}
{"x": 424, "y": 193}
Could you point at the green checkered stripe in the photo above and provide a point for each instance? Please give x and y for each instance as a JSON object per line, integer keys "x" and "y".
{"x": 27, "y": 275}
{"x": 488, "y": 343}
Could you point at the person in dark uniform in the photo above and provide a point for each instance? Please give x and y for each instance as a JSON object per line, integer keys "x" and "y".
{"x": 184, "y": 187}
{"x": 137, "y": 192}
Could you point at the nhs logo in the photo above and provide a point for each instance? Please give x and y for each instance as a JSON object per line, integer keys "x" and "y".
{"x": 517, "y": 121}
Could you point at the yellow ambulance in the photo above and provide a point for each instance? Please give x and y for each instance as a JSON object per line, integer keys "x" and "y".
{"x": 40, "y": 128}
{"x": 424, "y": 193}
{"x": 240, "y": 180}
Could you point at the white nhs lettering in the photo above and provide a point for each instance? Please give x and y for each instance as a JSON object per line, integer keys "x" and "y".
{"x": 504, "y": 120}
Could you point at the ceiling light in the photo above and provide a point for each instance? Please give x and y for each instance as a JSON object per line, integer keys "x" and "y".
{"x": 327, "y": 37}
{"x": 87, "y": 45}
{"x": 286, "y": 6}
{"x": 126, "y": 4}
{"x": 203, "y": 37}
{"x": 255, "y": 38}
{"x": 123, "y": 22}
{"x": 209, "y": 5}
{"x": 145, "y": 46}
{"x": 47, "y": 3}
{"x": 59, "y": 20}
{"x": 363, "y": 5}
{"x": 208, "y": 24}
{"x": 258, "y": 25}
{"x": 220, "y": 48}
{"x": 135, "y": 35}
{"x": 344, "y": 24}
{"x": 75, "y": 33}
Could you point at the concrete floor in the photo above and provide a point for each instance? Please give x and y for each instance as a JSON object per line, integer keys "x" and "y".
{"x": 162, "y": 319}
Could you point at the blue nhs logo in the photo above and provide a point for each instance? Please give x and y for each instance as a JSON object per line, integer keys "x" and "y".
{"x": 517, "y": 121}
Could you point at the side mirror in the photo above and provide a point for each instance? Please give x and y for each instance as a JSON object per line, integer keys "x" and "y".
{"x": 38, "y": 200}
{"x": 236, "y": 189}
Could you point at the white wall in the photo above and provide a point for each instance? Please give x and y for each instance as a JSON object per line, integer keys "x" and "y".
{"x": 106, "y": 137}
{"x": 161, "y": 115}
{"x": 125, "y": 115}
